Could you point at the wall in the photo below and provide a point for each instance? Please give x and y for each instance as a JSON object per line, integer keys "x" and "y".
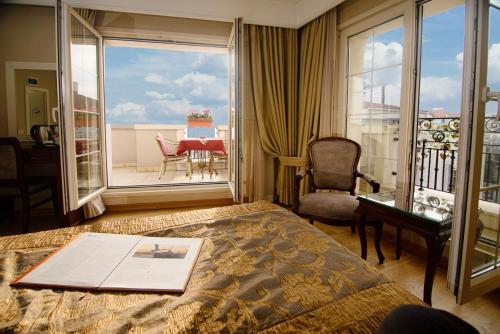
{"x": 47, "y": 80}
{"x": 27, "y": 34}
{"x": 352, "y": 8}
{"x": 162, "y": 27}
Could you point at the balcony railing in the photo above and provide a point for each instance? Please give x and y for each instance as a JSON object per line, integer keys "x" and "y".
{"x": 437, "y": 147}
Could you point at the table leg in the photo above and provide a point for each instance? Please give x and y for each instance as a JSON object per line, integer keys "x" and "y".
{"x": 361, "y": 224}
{"x": 398, "y": 243}
{"x": 435, "y": 249}
{"x": 378, "y": 236}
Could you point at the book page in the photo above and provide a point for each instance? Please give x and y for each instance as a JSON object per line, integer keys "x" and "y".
{"x": 85, "y": 262}
{"x": 156, "y": 264}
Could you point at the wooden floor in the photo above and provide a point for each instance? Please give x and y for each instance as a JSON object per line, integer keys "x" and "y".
{"x": 482, "y": 312}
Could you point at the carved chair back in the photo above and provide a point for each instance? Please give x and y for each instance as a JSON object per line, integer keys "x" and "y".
{"x": 334, "y": 162}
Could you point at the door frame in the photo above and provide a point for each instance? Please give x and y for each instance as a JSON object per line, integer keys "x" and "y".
{"x": 375, "y": 17}
{"x": 66, "y": 107}
{"x": 460, "y": 277}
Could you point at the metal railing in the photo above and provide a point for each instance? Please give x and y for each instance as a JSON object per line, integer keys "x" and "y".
{"x": 437, "y": 155}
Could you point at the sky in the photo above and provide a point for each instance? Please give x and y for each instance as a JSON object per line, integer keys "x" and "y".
{"x": 441, "y": 64}
{"x": 159, "y": 86}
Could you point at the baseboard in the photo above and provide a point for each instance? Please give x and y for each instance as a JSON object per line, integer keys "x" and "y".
{"x": 169, "y": 205}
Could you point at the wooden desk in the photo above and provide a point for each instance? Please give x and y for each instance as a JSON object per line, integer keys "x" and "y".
{"x": 35, "y": 159}
{"x": 433, "y": 226}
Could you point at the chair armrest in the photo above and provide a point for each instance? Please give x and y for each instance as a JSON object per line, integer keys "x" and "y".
{"x": 296, "y": 188}
{"x": 372, "y": 181}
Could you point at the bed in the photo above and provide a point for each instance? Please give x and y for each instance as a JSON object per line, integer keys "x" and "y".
{"x": 261, "y": 269}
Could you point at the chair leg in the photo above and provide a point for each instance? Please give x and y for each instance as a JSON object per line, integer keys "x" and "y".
{"x": 161, "y": 168}
{"x": 353, "y": 227}
{"x": 311, "y": 221}
{"x": 55, "y": 201}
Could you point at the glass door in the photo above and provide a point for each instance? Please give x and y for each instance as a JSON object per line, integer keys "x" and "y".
{"x": 474, "y": 261}
{"x": 82, "y": 113}
{"x": 234, "y": 112}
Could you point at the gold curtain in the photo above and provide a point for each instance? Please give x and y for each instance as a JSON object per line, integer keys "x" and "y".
{"x": 290, "y": 92}
{"x": 273, "y": 55}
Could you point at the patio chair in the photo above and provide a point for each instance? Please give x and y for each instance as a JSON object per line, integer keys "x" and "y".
{"x": 219, "y": 156}
{"x": 168, "y": 148}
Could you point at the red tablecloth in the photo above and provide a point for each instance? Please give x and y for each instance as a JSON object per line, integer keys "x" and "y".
{"x": 197, "y": 144}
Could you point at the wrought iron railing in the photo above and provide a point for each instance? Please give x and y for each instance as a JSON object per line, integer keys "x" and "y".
{"x": 437, "y": 155}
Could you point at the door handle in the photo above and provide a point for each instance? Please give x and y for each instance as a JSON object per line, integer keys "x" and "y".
{"x": 488, "y": 95}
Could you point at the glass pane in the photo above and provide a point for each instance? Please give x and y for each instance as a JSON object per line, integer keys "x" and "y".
{"x": 86, "y": 108}
{"x": 486, "y": 255}
{"x": 439, "y": 99}
{"x": 232, "y": 111}
{"x": 374, "y": 89}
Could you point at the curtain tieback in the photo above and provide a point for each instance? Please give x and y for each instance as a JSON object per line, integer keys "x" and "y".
{"x": 292, "y": 161}
{"x": 285, "y": 161}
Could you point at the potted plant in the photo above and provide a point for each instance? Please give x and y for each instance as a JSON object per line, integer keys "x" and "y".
{"x": 200, "y": 119}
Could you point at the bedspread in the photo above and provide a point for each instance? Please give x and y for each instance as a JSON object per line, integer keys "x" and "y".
{"x": 261, "y": 269}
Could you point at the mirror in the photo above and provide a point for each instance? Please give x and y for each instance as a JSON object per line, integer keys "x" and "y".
{"x": 36, "y": 96}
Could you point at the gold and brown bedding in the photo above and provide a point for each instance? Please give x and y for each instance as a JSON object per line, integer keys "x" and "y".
{"x": 261, "y": 269}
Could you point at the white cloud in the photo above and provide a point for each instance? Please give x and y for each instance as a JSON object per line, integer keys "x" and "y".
{"x": 169, "y": 107}
{"x": 159, "y": 96}
{"x": 203, "y": 85}
{"x": 195, "y": 78}
{"x": 383, "y": 54}
{"x": 129, "y": 111}
{"x": 493, "y": 62}
{"x": 156, "y": 78}
{"x": 439, "y": 89}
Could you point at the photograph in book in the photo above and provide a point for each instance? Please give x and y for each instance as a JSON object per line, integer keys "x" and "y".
{"x": 162, "y": 251}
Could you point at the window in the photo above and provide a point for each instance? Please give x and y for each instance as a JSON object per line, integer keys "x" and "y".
{"x": 373, "y": 98}
{"x": 180, "y": 92}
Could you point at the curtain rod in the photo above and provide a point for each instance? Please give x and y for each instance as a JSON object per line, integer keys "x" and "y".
{"x": 160, "y": 41}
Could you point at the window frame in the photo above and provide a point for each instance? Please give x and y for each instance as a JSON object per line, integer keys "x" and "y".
{"x": 384, "y": 13}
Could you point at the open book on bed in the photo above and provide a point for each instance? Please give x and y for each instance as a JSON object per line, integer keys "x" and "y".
{"x": 100, "y": 261}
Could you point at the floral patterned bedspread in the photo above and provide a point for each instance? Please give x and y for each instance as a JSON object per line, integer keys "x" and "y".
{"x": 261, "y": 269}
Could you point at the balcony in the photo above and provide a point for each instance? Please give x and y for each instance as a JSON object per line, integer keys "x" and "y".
{"x": 136, "y": 157}
{"x": 437, "y": 154}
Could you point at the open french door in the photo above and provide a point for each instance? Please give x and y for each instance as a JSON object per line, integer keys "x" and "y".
{"x": 475, "y": 256}
{"x": 81, "y": 107}
{"x": 234, "y": 105}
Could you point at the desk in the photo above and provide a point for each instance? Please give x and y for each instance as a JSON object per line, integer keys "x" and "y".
{"x": 204, "y": 148}
{"x": 432, "y": 223}
{"x": 49, "y": 156}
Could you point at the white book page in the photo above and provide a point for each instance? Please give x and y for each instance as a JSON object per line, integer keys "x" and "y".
{"x": 85, "y": 262}
{"x": 156, "y": 264}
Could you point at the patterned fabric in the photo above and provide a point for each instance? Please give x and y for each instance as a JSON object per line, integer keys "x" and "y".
{"x": 329, "y": 205}
{"x": 261, "y": 268}
{"x": 334, "y": 164}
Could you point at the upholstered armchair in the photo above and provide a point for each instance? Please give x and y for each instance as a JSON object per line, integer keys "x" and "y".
{"x": 333, "y": 163}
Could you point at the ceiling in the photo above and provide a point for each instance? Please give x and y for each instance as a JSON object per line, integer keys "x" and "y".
{"x": 281, "y": 13}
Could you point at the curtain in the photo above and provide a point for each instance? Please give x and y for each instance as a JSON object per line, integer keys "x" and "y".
{"x": 327, "y": 123}
{"x": 88, "y": 14}
{"x": 292, "y": 82}
{"x": 273, "y": 58}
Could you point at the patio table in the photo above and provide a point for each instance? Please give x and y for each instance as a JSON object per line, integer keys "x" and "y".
{"x": 204, "y": 148}
{"x": 201, "y": 144}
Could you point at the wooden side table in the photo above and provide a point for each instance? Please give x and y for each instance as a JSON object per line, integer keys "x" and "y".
{"x": 434, "y": 226}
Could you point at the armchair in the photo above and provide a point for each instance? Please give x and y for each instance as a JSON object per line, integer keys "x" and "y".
{"x": 332, "y": 165}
